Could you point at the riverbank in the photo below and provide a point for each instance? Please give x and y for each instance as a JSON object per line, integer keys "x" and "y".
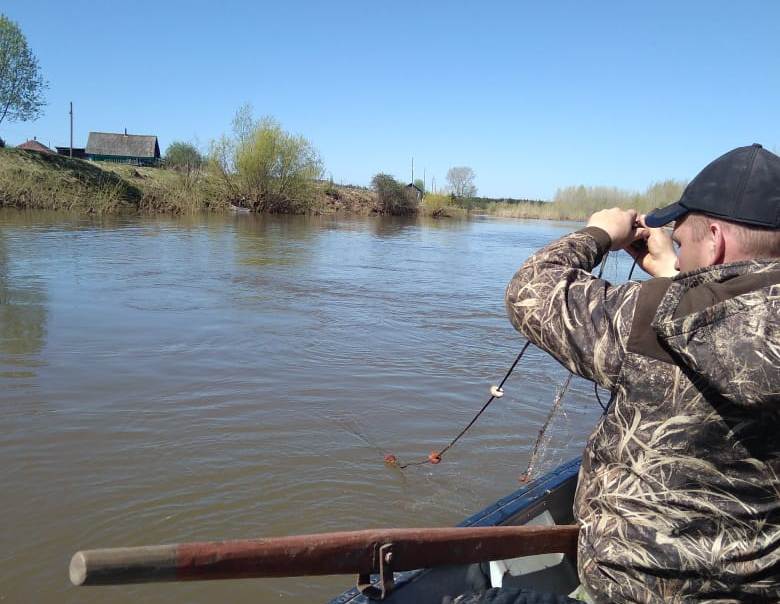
{"x": 33, "y": 180}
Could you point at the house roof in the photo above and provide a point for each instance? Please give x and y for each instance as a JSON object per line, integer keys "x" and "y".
{"x": 34, "y": 145}
{"x": 129, "y": 145}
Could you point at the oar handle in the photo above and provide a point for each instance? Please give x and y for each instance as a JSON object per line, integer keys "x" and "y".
{"x": 320, "y": 554}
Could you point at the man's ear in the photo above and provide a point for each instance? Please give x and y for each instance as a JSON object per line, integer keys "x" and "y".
{"x": 716, "y": 242}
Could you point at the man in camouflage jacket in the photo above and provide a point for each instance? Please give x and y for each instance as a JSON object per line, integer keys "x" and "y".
{"x": 679, "y": 494}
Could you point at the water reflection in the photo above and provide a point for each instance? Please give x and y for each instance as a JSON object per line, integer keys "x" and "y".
{"x": 452, "y": 223}
{"x": 23, "y": 316}
{"x": 275, "y": 240}
{"x": 392, "y": 226}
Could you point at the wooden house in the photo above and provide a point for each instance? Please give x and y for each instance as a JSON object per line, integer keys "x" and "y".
{"x": 136, "y": 149}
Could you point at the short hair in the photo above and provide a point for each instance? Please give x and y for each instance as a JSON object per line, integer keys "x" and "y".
{"x": 756, "y": 241}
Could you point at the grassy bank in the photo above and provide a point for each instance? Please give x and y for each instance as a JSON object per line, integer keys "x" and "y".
{"x": 39, "y": 181}
{"x": 53, "y": 182}
{"x": 36, "y": 180}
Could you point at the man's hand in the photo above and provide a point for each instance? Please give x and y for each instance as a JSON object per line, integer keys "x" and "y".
{"x": 620, "y": 225}
{"x": 655, "y": 252}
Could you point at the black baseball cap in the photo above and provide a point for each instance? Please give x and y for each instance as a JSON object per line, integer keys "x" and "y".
{"x": 743, "y": 185}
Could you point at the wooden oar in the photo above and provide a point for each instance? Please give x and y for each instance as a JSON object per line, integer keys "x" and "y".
{"x": 363, "y": 552}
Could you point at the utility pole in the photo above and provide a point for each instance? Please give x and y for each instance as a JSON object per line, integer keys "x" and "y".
{"x": 423, "y": 180}
{"x": 433, "y": 185}
{"x": 71, "y": 129}
{"x": 412, "y": 171}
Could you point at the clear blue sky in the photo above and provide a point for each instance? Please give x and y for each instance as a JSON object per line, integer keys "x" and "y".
{"x": 533, "y": 96}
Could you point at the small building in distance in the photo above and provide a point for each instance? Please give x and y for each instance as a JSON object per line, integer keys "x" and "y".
{"x": 35, "y": 145}
{"x": 136, "y": 149}
{"x": 414, "y": 191}
{"x": 78, "y": 152}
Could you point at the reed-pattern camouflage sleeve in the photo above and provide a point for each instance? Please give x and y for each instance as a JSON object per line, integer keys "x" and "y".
{"x": 584, "y": 322}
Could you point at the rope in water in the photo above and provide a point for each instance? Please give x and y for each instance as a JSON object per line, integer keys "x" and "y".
{"x": 435, "y": 456}
{"x": 497, "y": 392}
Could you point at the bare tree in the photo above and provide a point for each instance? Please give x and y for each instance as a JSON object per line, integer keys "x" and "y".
{"x": 460, "y": 180}
{"x": 21, "y": 83}
{"x": 244, "y": 123}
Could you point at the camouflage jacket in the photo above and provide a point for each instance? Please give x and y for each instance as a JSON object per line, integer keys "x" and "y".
{"x": 678, "y": 494}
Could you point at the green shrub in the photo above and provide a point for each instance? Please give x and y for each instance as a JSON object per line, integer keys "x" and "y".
{"x": 441, "y": 206}
{"x": 265, "y": 167}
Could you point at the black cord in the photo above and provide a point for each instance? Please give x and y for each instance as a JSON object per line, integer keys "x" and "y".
{"x": 490, "y": 400}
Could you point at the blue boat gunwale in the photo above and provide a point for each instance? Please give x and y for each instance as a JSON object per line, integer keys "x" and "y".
{"x": 495, "y": 514}
{"x": 524, "y": 497}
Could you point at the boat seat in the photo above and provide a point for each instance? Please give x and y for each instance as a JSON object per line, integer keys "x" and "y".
{"x": 526, "y": 565}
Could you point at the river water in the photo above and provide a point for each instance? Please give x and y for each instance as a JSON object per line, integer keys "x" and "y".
{"x": 221, "y": 377}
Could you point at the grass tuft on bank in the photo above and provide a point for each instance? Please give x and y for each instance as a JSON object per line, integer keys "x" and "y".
{"x": 169, "y": 191}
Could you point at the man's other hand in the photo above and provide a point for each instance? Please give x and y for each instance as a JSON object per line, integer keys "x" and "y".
{"x": 620, "y": 225}
{"x": 654, "y": 252}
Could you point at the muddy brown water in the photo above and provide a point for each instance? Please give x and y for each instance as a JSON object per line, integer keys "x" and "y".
{"x": 218, "y": 377}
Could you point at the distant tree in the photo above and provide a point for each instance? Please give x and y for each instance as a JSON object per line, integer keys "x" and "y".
{"x": 420, "y": 184}
{"x": 183, "y": 157}
{"x": 460, "y": 180}
{"x": 21, "y": 82}
{"x": 663, "y": 193}
{"x": 393, "y": 196}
